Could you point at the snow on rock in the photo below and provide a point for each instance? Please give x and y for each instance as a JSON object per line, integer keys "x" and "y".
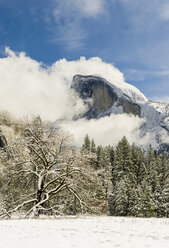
{"x": 121, "y": 88}
{"x": 156, "y": 124}
{"x": 109, "y": 96}
{"x": 89, "y": 232}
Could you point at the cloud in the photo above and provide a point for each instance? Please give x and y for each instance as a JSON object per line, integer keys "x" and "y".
{"x": 28, "y": 87}
{"x": 164, "y": 99}
{"x": 68, "y": 20}
{"x": 164, "y": 11}
{"x": 145, "y": 15}
{"x": 92, "y": 66}
{"x": 107, "y": 130}
{"x": 160, "y": 73}
{"x": 135, "y": 74}
{"x": 139, "y": 75}
{"x": 71, "y": 21}
{"x": 142, "y": 15}
{"x": 87, "y": 8}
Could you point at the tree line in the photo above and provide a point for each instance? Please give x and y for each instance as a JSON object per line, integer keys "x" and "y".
{"x": 43, "y": 172}
{"x": 139, "y": 179}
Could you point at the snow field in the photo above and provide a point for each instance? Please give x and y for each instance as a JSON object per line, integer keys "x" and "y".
{"x": 89, "y": 232}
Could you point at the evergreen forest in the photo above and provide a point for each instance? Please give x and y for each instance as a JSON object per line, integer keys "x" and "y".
{"x": 42, "y": 172}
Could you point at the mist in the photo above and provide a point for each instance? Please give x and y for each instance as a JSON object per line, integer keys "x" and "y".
{"x": 107, "y": 130}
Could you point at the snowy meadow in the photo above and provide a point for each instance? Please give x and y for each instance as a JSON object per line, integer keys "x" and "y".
{"x": 90, "y": 232}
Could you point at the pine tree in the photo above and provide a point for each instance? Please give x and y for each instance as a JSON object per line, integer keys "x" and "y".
{"x": 163, "y": 169}
{"x": 120, "y": 199}
{"x": 150, "y": 155}
{"x": 100, "y": 156}
{"x": 166, "y": 198}
{"x": 148, "y": 207}
{"x": 153, "y": 175}
{"x": 139, "y": 167}
{"x": 111, "y": 152}
{"x": 159, "y": 201}
{"x": 93, "y": 146}
{"x": 134, "y": 207}
{"x": 86, "y": 144}
{"x": 123, "y": 171}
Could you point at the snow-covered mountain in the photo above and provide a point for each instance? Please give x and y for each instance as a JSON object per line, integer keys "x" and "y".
{"x": 104, "y": 98}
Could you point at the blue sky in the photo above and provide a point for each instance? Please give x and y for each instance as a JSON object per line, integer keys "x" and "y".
{"x": 131, "y": 34}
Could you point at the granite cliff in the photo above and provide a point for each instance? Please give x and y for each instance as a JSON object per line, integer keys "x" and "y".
{"x": 104, "y": 98}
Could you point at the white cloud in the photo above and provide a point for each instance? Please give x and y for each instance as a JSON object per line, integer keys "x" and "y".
{"x": 141, "y": 14}
{"x": 145, "y": 15}
{"x": 164, "y": 11}
{"x": 107, "y": 130}
{"x": 92, "y": 66}
{"x": 26, "y": 87}
{"x": 139, "y": 75}
{"x": 135, "y": 74}
{"x": 68, "y": 16}
{"x": 164, "y": 99}
{"x": 85, "y": 8}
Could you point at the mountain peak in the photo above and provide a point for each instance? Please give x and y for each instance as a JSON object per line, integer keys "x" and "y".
{"x": 122, "y": 89}
{"x": 104, "y": 98}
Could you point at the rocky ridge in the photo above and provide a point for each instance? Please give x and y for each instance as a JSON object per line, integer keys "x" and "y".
{"x": 103, "y": 98}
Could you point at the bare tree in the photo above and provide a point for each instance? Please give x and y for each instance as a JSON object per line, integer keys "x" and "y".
{"x": 93, "y": 184}
{"x": 39, "y": 170}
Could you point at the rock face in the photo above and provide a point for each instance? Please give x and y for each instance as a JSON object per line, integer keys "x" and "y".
{"x": 104, "y": 99}
{"x": 100, "y": 96}
{"x": 129, "y": 107}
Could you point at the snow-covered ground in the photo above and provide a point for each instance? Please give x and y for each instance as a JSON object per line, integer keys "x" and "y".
{"x": 89, "y": 232}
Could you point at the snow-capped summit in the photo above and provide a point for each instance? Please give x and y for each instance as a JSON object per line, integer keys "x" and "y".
{"x": 104, "y": 98}
{"x": 122, "y": 89}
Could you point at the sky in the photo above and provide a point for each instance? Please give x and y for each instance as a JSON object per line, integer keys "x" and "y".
{"x": 132, "y": 35}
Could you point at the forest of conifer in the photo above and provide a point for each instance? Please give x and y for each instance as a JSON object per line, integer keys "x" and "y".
{"x": 43, "y": 172}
